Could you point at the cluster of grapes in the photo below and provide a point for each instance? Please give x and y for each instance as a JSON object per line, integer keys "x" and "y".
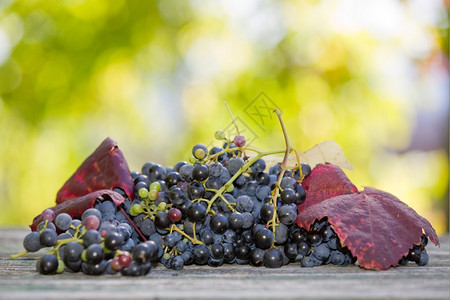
{"x": 417, "y": 253}
{"x": 318, "y": 246}
{"x": 88, "y": 245}
{"x": 221, "y": 207}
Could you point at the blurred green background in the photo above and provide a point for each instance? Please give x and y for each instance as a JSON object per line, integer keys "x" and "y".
{"x": 153, "y": 75}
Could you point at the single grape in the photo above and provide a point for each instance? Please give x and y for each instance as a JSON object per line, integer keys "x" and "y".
{"x": 207, "y": 236}
{"x": 264, "y": 238}
{"x": 199, "y": 151}
{"x": 48, "y": 238}
{"x": 236, "y": 220}
{"x": 141, "y": 253}
{"x": 115, "y": 264}
{"x": 337, "y": 258}
{"x": 196, "y": 213}
{"x": 216, "y": 251}
{"x": 176, "y": 195}
{"x": 219, "y": 135}
{"x": 287, "y": 214}
{"x": 91, "y": 237}
{"x": 244, "y": 204}
{"x": 162, "y": 220}
{"x": 113, "y": 241}
{"x": 177, "y": 263}
{"x": 62, "y": 221}
{"x": 314, "y": 238}
{"x": 174, "y": 214}
{"x": 72, "y": 251}
{"x": 258, "y": 166}
{"x": 92, "y": 222}
{"x": 310, "y": 261}
{"x": 266, "y": 212}
{"x": 273, "y": 258}
{"x": 124, "y": 259}
{"x": 423, "y": 258}
{"x": 303, "y": 248}
{"x": 239, "y": 140}
{"x": 31, "y": 242}
{"x": 306, "y": 169}
{"x": 288, "y": 182}
{"x": 48, "y": 264}
{"x": 321, "y": 252}
{"x": 136, "y": 209}
{"x": 243, "y": 252}
{"x": 234, "y": 164}
{"x": 172, "y": 179}
{"x": 147, "y": 227}
{"x": 94, "y": 254}
{"x": 156, "y": 172}
{"x": 281, "y": 234}
{"x": 143, "y": 193}
{"x": 290, "y": 250}
{"x": 201, "y": 254}
{"x": 256, "y": 257}
{"x": 219, "y": 223}
{"x": 48, "y": 215}
{"x": 200, "y": 172}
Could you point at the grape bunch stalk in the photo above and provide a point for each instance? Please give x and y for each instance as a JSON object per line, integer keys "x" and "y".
{"x": 224, "y": 206}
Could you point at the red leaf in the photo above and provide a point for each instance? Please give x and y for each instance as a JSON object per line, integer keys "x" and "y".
{"x": 376, "y": 226}
{"x": 326, "y": 181}
{"x": 75, "y": 207}
{"x": 105, "y": 168}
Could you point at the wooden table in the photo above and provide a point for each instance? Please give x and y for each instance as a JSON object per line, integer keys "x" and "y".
{"x": 19, "y": 280}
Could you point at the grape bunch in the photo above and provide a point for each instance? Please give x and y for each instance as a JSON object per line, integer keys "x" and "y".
{"x": 226, "y": 205}
{"x": 93, "y": 245}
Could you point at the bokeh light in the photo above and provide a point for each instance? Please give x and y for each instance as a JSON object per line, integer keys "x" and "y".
{"x": 153, "y": 75}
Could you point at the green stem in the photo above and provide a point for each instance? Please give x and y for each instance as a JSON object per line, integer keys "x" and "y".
{"x": 14, "y": 256}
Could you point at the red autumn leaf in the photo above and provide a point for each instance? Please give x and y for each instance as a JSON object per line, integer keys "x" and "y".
{"x": 376, "y": 226}
{"x": 105, "y": 168}
{"x": 76, "y": 206}
{"x": 326, "y": 181}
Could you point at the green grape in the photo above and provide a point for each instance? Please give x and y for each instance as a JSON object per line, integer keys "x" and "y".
{"x": 220, "y": 135}
{"x": 61, "y": 266}
{"x": 143, "y": 193}
{"x": 162, "y": 206}
{"x": 230, "y": 188}
{"x": 166, "y": 255}
{"x": 135, "y": 209}
{"x": 155, "y": 186}
{"x": 153, "y": 195}
{"x": 83, "y": 255}
{"x": 199, "y": 153}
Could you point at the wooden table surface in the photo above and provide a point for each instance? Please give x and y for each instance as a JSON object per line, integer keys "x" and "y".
{"x": 19, "y": 280}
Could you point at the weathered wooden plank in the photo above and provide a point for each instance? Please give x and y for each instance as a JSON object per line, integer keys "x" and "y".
{"x": 18, "y": 280}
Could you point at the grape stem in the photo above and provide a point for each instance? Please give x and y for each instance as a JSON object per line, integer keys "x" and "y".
{"x": 193, "y": 240}
{"x": 274, "y": 221}
{"x": 232, "y": 118}
{"x": 14, "y": 256}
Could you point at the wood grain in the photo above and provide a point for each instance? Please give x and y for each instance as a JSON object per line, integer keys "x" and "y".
{"x": 18, "y": 280}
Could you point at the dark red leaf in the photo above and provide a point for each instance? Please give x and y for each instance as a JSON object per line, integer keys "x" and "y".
{"x": 105, "y": 168}
{"x": 326, "y": 181}
{"x": 76, "y": 206}
{"x": 376, "y": 226}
